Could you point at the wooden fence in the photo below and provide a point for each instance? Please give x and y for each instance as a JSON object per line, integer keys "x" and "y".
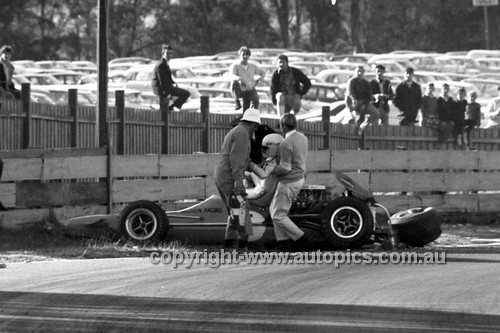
{"x": 26, "y": 125}
{"x": 450, "y": 181}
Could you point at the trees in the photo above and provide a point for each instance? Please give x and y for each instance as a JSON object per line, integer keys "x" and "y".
{"x": 53, "y": 29}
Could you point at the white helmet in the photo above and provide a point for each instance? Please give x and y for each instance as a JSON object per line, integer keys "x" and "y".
{"x": 271, "y": 144}
{"x": 252, "y": 115}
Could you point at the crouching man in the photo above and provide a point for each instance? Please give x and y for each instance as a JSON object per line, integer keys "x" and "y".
{"x": 291, "y": 172}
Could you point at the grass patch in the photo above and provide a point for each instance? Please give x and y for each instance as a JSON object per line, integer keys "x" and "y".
{"x": 44, "y": 242}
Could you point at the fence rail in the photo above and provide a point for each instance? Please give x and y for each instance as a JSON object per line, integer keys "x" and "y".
{"x": 464, "y": 181}
{"x": 144, "y": 131}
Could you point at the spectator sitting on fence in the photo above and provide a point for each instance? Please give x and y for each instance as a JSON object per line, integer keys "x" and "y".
{"x": 163, "y": 84}
{"x": 243, "y": 85}
{"x": 382, "y": 93}
{"x": 429, "y": 108}
{"x": 446, "y": 104}
{"x": 458, "y": 116}
{"x": 493, "y": 111}
{"x": 408, "y": 99}
{"x": 358, "y": 100}
{"x": 7, "y": 88}
{"x": 288, "y": 85}
{"x": 472, "y": 118}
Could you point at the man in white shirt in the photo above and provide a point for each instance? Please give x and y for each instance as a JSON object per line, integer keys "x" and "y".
{"x": 493, "y": 111}
{"x": 244, "y": 82}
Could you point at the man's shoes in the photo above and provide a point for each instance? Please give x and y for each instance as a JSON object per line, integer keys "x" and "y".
{"x": 174, "y": 108}
{"x": 238, "y": 105}
{"x": 2, "y": 265}
{"x": 304, "y": 243}
{"x": 242, "y": 245}
{"x": 284, "y": 245}
{"x": 230, "y": 244}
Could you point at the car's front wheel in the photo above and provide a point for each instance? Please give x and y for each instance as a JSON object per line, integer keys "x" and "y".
{"x": 347, "y": 222}
{"x": 144, "y": 221}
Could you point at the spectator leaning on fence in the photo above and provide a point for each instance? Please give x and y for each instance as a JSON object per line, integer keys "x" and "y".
{"x": 382, "y": 94}
{"x": 408, "y": 99}
{"x": 445, "y": 109}
{"x": 458, "y": 117}
{"x": 472, "y": 117}
{"x": 492, "y": 113}
{"x": 429, "y": 108}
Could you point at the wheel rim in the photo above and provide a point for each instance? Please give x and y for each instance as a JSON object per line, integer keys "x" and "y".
{"x": 141, "y": 224}
{"x": 346, "y": 222}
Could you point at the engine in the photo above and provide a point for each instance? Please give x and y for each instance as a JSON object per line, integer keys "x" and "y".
{"x": 310, "y": 199}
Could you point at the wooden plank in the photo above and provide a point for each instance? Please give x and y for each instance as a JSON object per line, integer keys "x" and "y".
{"x": 461, "y": 181}
{"x": 36, "y": 195}
{"x": 136, "y": 166}
{"x": 159, "y": 190}
{"x": 49, "y": 153}
{"x": 489, "y": 160}
{"x": 54, "y": 168}
{"x": 489, "y": 181}
{"x": 390, "y": 160}
{"x": 389, "y": 182}
{"x": 318, "y": 160}
{"x": 351, "y": 160}
{"x": 8, "y": 194}
{"x": 188, "y": 165}
{"x": 489, "y": 202}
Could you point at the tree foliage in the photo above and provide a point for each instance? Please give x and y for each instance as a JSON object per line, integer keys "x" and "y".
{"x": 54, "y": 29}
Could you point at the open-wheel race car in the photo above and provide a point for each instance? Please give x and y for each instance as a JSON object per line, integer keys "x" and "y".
{"x": 347, "y": 221}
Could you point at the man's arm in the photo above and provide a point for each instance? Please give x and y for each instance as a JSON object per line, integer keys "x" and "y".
{"x": 273, "y": 88}
{"x": 306, "y": 83}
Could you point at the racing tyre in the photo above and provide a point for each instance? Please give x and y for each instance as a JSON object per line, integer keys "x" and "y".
{"x": 144, "y": 221}
{"x": 347, "y": 222}
{"x": 416, "y": 227}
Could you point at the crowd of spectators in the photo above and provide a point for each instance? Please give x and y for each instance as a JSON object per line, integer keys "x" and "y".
{"x": 450, "y": 114}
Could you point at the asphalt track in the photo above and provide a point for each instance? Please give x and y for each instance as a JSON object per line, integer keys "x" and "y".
{"x": 131, "y": 295}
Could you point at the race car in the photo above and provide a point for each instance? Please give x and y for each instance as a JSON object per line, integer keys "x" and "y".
{"x": 347, "y": 221}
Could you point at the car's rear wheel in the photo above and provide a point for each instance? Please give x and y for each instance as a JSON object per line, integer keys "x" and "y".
{"x": 347, "y": 222}
{"x": 416, "y": 226}
{"x": 144, "y": 221}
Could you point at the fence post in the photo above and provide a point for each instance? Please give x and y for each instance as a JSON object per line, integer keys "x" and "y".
{"x": 25, "y": 98}
{"x": 73, "y": 105}
{"x": 120, "y": 112}
{"x": 205, "y": 114}
{"x": 166, "y": 124}
{"x": 325, "y": 117}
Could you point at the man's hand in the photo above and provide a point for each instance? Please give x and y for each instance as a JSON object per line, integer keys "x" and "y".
{"x": 239, "y": 189}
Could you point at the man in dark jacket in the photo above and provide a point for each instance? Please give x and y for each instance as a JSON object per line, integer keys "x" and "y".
{"x": 382, "y": 93}
{"x": 408, "y": 99}
{"x": 288, "y": 85}
{"x": 7, "y": 88}
{"x": 163, "y": 84}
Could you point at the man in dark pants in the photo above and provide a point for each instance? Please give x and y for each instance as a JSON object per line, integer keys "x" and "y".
{"x": 408, "y": 99}
{"x": 229, "y": 174}
{"x": 382, "y": 93}
{"x": 163, "y": 84}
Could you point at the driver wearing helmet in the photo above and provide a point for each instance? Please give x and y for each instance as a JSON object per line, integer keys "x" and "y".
{"x": 263, "y": 177}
